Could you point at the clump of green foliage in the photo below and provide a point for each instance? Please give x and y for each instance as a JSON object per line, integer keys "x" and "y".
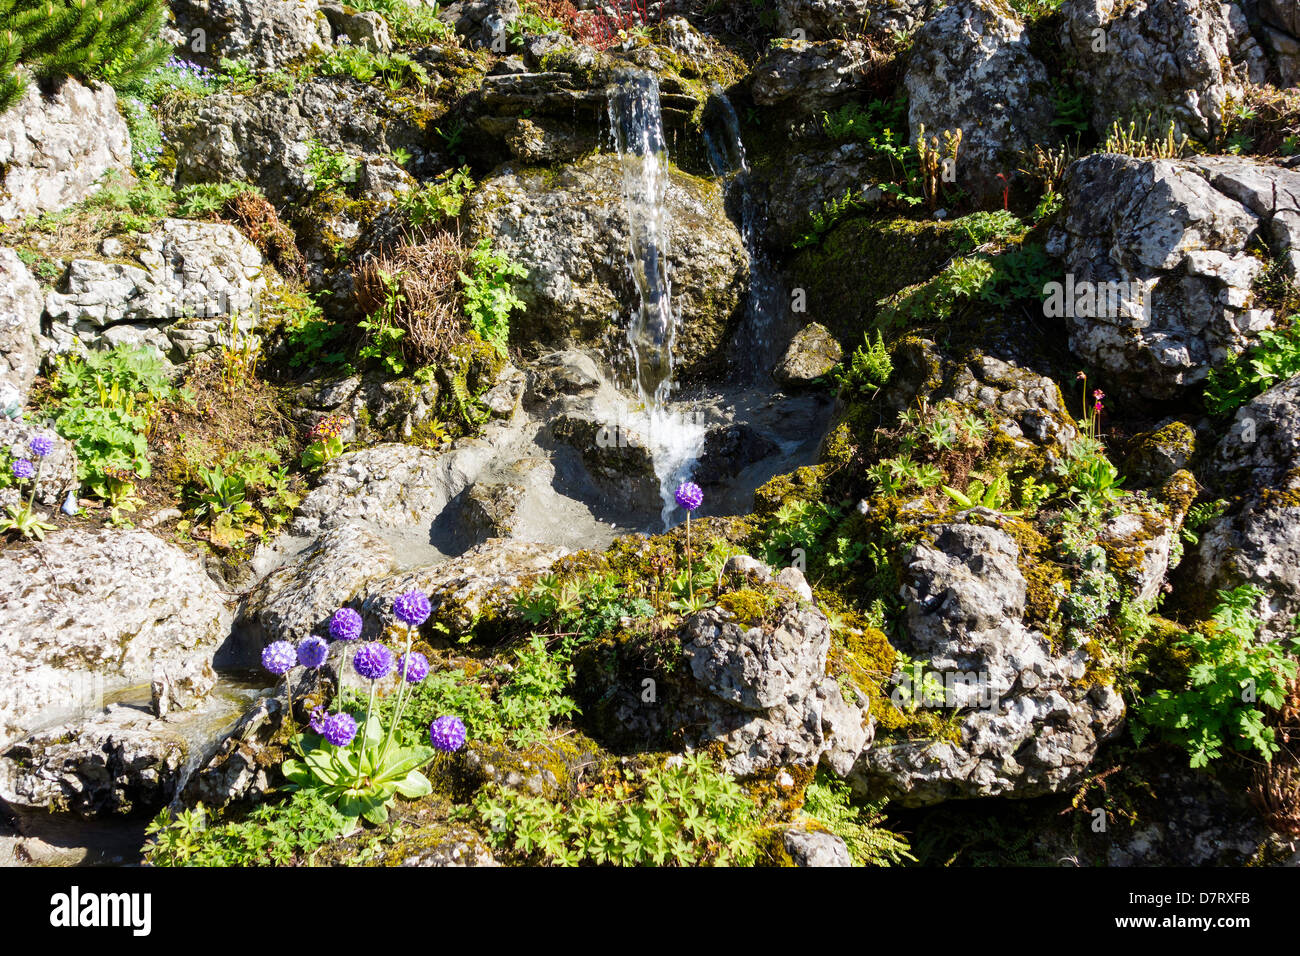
{"x": 249, "y": 493}
{"x": 532, "y": 696}
{"x": 689, "y": 814}
{"x": 999, "y": 279}
{"x": 1274, "y": 358}
{"x": 393, "y": 70}
{"x": 869, "y": 369}
{"x": 111, "y": 40}
{"x": 275, "y": 834}
{"x": 828, "y": 800}
{"x": 1231, "y": 680}
{"x": 438, "y": 200}
{"x": 489, "y": 293}
{"x": 105, "y": 402}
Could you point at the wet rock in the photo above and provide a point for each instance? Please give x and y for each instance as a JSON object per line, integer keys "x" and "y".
{"x": 86, "y": 612}
{"x": 299, "y": 598}
{"x": 812, "y": 353}
{"x": 810, "y": 76}
{"x": 1171, "y": 60}
{"x": 20, "y": 324}
{"x": 827, "y": 19}
{"x": 971, "y": 69}
{"x": 58, "y": 470}
{"x": 808, "y": 847}
{"x": 1164, "y": 243}
{"x": 191, "y": 278}
{"x": 570, "y": 232}
{"x": 1032, "y": 720}
{"x": 267, "y": 33}
{"x": 54, "y": 150}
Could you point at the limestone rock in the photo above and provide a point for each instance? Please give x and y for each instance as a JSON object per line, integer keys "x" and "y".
{"x": 812, "y": 353}
{"x": 971, "y": 69}
{"x": 20, "y": 325}
{"x": 55, "y": 150}
{"x": 268, "y": 33}
{"x": 86, "y": 612}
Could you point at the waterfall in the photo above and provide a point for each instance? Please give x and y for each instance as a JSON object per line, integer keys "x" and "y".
{"x": 637, "y": 123}
{"x": 675, "y": 435}
{"x": 753, "y": 349}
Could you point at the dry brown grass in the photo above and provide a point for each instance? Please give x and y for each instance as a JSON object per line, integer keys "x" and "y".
{"x": 257, "y": 219}
{"x": 430, "y": 309}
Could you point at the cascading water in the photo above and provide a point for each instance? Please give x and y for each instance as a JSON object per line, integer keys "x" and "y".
{"x": 753, "y": 348}
{"x": 675, "y": 436}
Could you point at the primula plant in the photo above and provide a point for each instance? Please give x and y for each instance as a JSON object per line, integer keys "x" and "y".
{"x": 359, "y": 767}
{"x": 22, "y": 519}
{"x": 326, "y": 438}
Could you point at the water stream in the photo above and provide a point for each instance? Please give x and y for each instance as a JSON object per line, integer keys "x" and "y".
{"x": 674, "y": 433}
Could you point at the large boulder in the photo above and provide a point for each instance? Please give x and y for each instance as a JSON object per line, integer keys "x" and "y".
{"x": 87, "y": 612}
{"x": 971, "y": 69}
{"x": 191, "y": 279}
{"x": 810, "y": 76}
{"x": 1259, "y": 542}
{"x": 827, "y": 19}
{"x": 755, "y": 685}
{"x": 1031, "y": 717}
{"x": 570, "y": 231}
{"x": 20, "y": 324}
{"x": 1166, "y": 242}
{"x": 1279, "y": 30}
{"x": 264, "y": 138}
{"x": 266, "y": 33}
{"x": 55, "y": 149}
{"x": 1167, "y": 59}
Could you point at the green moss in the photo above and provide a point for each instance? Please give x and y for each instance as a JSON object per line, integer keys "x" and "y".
{"x": 803, "y": 484}
{"x": 749, "y": 607}
{"x": 862, "y": 261}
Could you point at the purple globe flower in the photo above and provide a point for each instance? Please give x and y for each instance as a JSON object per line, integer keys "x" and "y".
{"x": 279, "y": 657}
{"x": 689, "y": 495}
{"x": 345, "y": 625}
{"x": 312, "y": 652}
{"x": 41, "y": 445}
{"x": 339, "y": 729}
{"x": 412, "y": 608}
{"x": 373, "y": 661}
{"x": 23, "y": 468}
{"x": 447, "y": 734}
{"x": 318, "y": 718}
{"x": 414, "y": 667}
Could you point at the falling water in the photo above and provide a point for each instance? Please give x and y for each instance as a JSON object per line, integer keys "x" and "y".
{"x": 752, "y": 351}
{"x": 639, "y": 137}
{"x": 675, "y": 436}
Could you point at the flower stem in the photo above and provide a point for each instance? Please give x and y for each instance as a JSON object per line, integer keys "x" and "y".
{"x": 403, "y": 663}
{"x": 364, "y": 727}
{"x": 690, "y": 580}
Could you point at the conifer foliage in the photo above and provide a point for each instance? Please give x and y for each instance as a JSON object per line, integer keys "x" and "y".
{"x": 111, "y": 40}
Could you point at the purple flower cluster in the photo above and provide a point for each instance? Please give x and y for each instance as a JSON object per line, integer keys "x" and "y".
{"x": 447, "y": 734}
{"x": 373, "y": 661}
{"x": 41, "y": 445}
{"x": 414, "y": 667}
{"x": 689, "y": 495}
{"x": 339, "y": 729}
{"x": 345, "y": 625}
{"x": 279, "y": 657}
{"x": 318, "y": 718}
{"x": 312, "y": 652}
{"x": 23, "y": 468}
{"x": 412, "y": 608}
